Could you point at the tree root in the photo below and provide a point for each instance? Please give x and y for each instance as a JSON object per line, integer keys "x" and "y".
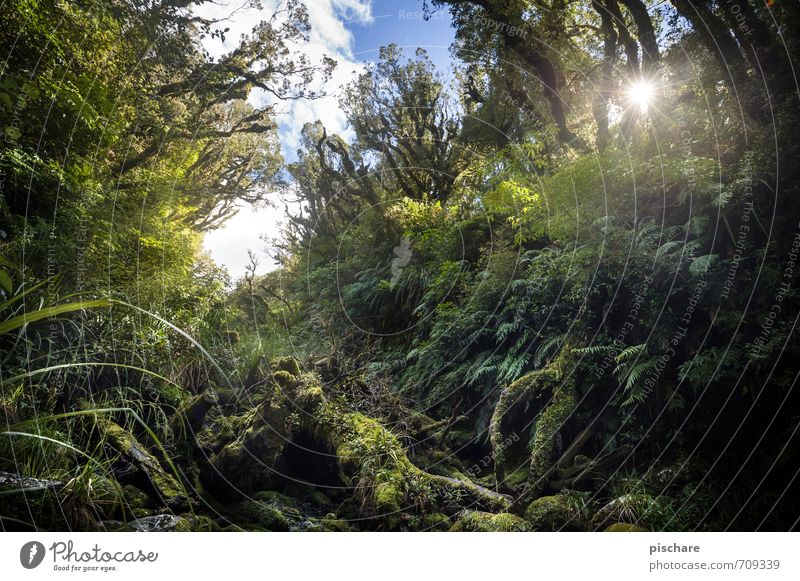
{"x": 369, "y": 457}
{"x": 550, "y": 421}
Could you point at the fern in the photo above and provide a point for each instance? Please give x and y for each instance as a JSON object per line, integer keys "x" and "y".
{"x": 703, "y": 264}
{"x": 592, "y": 349}
{"x": 628, "y": 352}
{"x": 547, "y": 348}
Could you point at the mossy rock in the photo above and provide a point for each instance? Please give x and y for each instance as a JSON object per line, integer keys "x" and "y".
{"x": 135, "y": 497}
{"x": 388, "y": 497}
{"x": 555, "y": 513}
{"x": 201, "y": 523}
{"x": 162, "y": 523}
{"x": 273, "y": 497}
{"x": 477, "y": 521}
{"x": 436, "y": 521}
{"x": 192, "y": 414}
{"x": 624, "y": 527}
{"x": 262, "y": 516}
{"x": 285, "y": 379}
{"x": 38, "y": 508}
{"x": 287, "y": 364}
{"x": 330, "y": 523}
{"x": 139, "y": 467}
{"x": 368, "y": 456}
{"x": 628, "y": 508}
{"x": 319, "y": 498}
{"x": 246, "y": 464}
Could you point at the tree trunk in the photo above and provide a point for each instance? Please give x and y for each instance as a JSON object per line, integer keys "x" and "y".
{"x": 759, "y": 45}
{"x": 646, "y": 35}
{"x": 600, "y": 105}
{"x": 716, "y": 36}
{"x": 628, "y": 43}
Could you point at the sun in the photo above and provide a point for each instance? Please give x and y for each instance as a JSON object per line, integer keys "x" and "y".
{"x": 641, "y": 93}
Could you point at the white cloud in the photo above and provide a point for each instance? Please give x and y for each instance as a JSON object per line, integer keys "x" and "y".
{"x": 328, "y": 36}
{"x": 228, "y": 245}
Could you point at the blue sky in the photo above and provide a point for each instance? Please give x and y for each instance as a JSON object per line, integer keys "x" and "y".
{"x": 401, "y": 22}
{"x": 351, "y": 32}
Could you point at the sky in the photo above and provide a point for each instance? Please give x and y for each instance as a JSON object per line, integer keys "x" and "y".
{"x": 349, "y": 31}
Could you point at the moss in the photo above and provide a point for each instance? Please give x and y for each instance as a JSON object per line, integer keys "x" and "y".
{"x": 436, "y": 521}
{"x": 262, "y": 516}
{"x": 272, "y": 496}
{"x": 319, "y": 498}
{"x": 192, "y": 414}
{"x": 284, "y": 379}
{"x": 151, "y": 476}
{"x": 166, "y": 486}
{"x": 201, "y": 523}
{"x": 554, "y": 513}
{"x": 623, "y": 527}
{"x": 536, "y": 384}
{"x": 628, "y": 508}
{"x": 388, "y": 497}
{"x": 533, "y": 383}
{"x": 183, "y": 526}
{"x": 247, "y": 462}
{"x": 310, "y": 395}
{"x": 135, "y": 497}
{"x": 332, "y": 524}
{"x": 369, "y": 457}
{"x": 550, "y": 421}
{"x": 516, "y": 479}
{"x": 287, "y": 364}
{"x": 477, "y": 521}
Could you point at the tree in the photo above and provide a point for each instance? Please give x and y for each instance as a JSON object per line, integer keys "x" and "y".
{"x": 402, "y": 113}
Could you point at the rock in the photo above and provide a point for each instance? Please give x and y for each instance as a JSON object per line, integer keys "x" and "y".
{"x": 135, "y": 497}
{"x": 201, "y": 523}
{"x": 327, "y": 368}
{"x": 135, "y": 465}
{"x": 287, "y": 364}
{"x": 436, "y": 521}
{"x": 623, "y": 527}
{"x": 30, "y": 503}
{"x": 366, "y": 455}
{"x": 248, "y": 463}
{"x": 192, "y": 414}
{"x": 477, "y": 521}
{"x": 556, "y": 513}
{"x": 629, "y": 508}
{"x": 262, "y": 516}
{"x": 331, "y": 523}
{"x": 319, "y": 498}
{"x": 12, "y": 481}
{"x": 159, "y": 524}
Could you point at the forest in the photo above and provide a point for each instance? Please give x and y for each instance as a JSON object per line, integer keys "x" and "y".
{"x": 552, "y": 289}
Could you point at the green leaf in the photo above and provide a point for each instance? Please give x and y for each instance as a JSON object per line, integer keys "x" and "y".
{"x": 6, "y": 284}
{"x": 46, "y": 313}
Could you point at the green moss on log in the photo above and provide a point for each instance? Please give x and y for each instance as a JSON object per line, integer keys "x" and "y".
{"x": 477, "y": 521}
